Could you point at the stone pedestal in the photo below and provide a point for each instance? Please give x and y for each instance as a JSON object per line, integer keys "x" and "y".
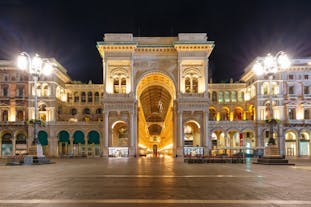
{"x": 272, "y": 157}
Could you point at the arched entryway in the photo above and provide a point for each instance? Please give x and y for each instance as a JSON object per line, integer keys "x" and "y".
{"x": 79, "y": 143}
{"x": 93, "y": 143}
{"x": 6, "y": 144}
{"x": 63, "y": 143}
{"x": 155, "y": 93}
{"x": 291, "y": 143}
{"x": 43, "y": 139}
{"x": 21, "y": 143}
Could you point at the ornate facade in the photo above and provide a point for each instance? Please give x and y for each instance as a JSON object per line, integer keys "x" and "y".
{"x": 155, "y": 99}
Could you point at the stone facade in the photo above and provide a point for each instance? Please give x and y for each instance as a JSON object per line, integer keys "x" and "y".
{"x": 155, "y": 99}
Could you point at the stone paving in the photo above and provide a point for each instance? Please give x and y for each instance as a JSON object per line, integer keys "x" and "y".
{"x": 154, "y": 182}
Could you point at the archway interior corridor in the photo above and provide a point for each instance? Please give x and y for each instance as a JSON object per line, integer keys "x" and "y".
{"x": 155, "y": 116}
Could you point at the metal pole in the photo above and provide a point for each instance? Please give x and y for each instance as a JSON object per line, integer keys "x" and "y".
{"x": 271, "y": 139}
{"x": 35, "y": 141}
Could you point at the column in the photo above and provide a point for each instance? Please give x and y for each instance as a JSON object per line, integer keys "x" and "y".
{"x": 174, "y": 120}
{"x": 206, "y": 76}
{"x": 71, "y": 146}
{"x": 206, "y": 137}
{"x": 104, "y": 74}
{"x": 281, "y": 141}
{"x": 13, "y": 146}
{"x": 86, "y": 145}
{"x": 1, "y": 147}
{"x": 180, "y": 138}
{"x": 106, "y": 134}
{"x": 132, "y": 140}
{"x": 298, "y": 145}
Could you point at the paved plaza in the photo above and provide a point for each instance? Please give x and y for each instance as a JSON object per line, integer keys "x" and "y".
{"x": 154, "y": 182}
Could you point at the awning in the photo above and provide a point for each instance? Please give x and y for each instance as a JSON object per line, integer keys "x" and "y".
{"x": 43, "y": 138}
{"x": 93, "y": 137}
{"x": 63, "y": 136}
{"x": 78, "y": 137}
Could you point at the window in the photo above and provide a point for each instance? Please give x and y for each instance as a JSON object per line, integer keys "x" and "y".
{"x": 46, "y": 90}
{"x": 291, "y": 114}
{"x": 291, "y": 90}
{"x": 123, "y": 85}
{"x": 87, "y": 111}
{"x": 99, "y": 111}
{"x": 227, "y": 96}
{"x": 5, "y": 91}
{"x": 20, "y": 91}
{"x": 73, "y": 111}
{"x": 307, "y": 114}
{"x": 20, "y": 115}
{"x": 76, "y": 97}
{"x": 195, "y": 85}
{"x": 233, "y": 96}
{"x": 212, "y": 115}
{"x": 5, "y": 115}
{"x": 191, "y": 85}
{"x": 69, "y": 99}
{"x": 306, "y": 77}
{"x": 214, "y": 96}
{"x": 89, "y": 97}
{"x": 96, "y": 97}
{"x": 119, "y": 85}
{"x": 241, "y": 97}
{"x": 221, "y": 97}
{"x": 290, "y": 77}
{"x": 83, "y": 97}
{"x": 42, "y": 107}
{"x": 306, "y": 90}
{"x": 187, "y": 85}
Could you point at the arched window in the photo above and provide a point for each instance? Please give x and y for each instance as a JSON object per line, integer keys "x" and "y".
{"x": 46, "y": 90}
{"x": 5, "y": 90}
{"x": 5, "y": 115}
{"x": 191, "y": 84}
{"x": 212, "y": 114}
{"x": 195, "y": 85}
{"x": 99, "y": 111}
{"x": 119, "y": 84}
{"x": 39, "y": 90}
{"x": 220, "y": 97}
{"x": 83, "y": 97}
{"x": 123, "y": 85}
{"x": 69, "y": 99}
{"x": 214, "y": 96}
{"x": 42, "y": 107}
{"x": 233, "y": 96}
{"x": 89, "y": 97}
{"x": 20, "y": 115}
{"x": 241, "y": 96}
{"x": 227, "y": 96}
{"x": 96, "y": 97}
{"x": 87, "y": 111}
{"x": 116, "y": 85}
{"x": 187, "y": 85}
{"x": 76, "y": 97}
{"x": 73, "y": 111}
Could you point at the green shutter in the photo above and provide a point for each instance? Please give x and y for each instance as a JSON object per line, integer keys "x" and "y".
{"x": 43, "y": 138}
{"x": 78, "y": 137}
{"x": 63, "y": 136}
{"x": 93, "y": 137}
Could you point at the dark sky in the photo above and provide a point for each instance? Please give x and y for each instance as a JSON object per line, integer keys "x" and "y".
{"x": 68, "y": 30}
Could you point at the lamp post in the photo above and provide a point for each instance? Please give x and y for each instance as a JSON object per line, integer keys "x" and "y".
{"x": 35, "y": 66}
{"x": 269, "y": 65}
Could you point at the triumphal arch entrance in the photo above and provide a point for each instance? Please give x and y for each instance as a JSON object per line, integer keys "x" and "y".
{"x": 155, "y": 96}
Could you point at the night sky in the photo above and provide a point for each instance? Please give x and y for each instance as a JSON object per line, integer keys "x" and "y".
{"x": 68, "y": 30}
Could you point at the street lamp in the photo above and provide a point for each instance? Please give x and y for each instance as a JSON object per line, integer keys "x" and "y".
{"x": 35, "y": 66}
{"x": 270, "y": 65}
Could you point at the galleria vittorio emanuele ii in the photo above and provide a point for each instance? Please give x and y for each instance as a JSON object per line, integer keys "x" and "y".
{"x": 157, "y": 99}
